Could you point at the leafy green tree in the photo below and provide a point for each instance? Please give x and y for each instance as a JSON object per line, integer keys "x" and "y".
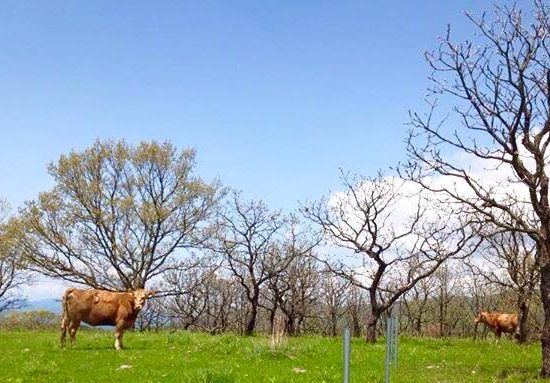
{"x": 12, "y": 275}
{"x": 117, "y": 215}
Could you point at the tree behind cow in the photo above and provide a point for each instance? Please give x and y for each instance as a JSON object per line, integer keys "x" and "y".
{"x": 116, "y": 214}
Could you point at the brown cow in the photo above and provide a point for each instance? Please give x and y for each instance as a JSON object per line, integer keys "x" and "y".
{"x": 101, "y": 308}
{"x": 498, "y": 322}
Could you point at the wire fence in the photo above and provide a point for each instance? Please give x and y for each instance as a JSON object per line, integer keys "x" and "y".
{"x": 392, "y": 349}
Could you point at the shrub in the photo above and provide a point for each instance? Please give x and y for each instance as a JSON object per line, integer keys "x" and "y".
{"x": 29, "y": 320}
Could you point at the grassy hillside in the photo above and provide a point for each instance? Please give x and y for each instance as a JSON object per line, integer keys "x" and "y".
{"x": 28, "y": 356}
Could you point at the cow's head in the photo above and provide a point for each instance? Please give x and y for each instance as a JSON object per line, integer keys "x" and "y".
{"x": 480, "y": 317}
{"x": 140, "y": 296}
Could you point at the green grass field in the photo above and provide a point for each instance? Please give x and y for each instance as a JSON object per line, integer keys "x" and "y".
{"x": 28, "y": 356}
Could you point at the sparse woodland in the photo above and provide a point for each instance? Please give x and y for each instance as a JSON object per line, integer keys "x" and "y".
{"x": 434, "y": 240}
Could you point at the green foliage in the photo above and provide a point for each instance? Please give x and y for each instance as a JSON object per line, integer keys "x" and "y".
{"x": 187, "y": 357}
{"x": 12, "y": 275}
{"x": 29, "y": 320}
{"x": 116, "y": 214}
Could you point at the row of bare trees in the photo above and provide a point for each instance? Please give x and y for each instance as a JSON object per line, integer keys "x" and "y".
{"x": 442, "y": 305}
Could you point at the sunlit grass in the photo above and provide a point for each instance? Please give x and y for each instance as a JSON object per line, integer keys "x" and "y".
{"x": 28, "y": 356}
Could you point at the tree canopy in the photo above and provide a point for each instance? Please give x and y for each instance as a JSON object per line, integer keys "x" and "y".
{"x": 117, "y": 214}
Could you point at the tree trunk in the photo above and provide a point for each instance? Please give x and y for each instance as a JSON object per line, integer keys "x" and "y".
{"x": 372, "y": 321}
{"x": 333, "y": 322}
{"x": 356, "y": 325}
{"x": 290, "y": 325}
{"x": 545, "y": 297}
{"x": 272, "y": 319}
{"x": 251, "y": 323}
{"x": 418, "y": 325}
{"x": 442, "y": 314}
{"x": 299, "y": 320}
{"x": 522, "y": 333}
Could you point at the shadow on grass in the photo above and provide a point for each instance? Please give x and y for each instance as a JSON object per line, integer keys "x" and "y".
{"x": 104, "y": 347}
{"x": 526, "y": 374}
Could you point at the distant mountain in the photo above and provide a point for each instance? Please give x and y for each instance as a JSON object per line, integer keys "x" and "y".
{"x": 48, "y": 304}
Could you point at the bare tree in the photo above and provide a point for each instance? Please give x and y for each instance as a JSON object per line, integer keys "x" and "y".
{"x": 394, "y": 250}
{"x": 334, "y": 295}
{"x": 481, "y": 294}
{"x": 191, "y": 292}
{"x": 203, "y": 299}
{"x": 116, "y": 214}
{"x": 356, "y": 309}
{"x": 221, "y": 296}
{"x": 416, "y": 304}
{"x": 509, "y": 260}
{"x": 302, "y": 293}
{"x": 154, "y": 316}
{"x": 447, "y": 283}
{"x": 295, "y": 292}
{"x": 499, "y": 85}
{"x": 292, "y": 289}
{"x": 249, "y": 240}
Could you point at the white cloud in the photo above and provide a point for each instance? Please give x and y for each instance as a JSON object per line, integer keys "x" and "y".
{"x": 44, "y": 288}
{"x": 495, "y": 177}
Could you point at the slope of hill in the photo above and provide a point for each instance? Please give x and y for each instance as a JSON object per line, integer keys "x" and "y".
{"x": 49, "y": 304}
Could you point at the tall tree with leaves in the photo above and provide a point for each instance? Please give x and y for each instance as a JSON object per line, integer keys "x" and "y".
{"x": 117, "y": 214}
{"x": 499, "y": 86}
{"x": 12, "y": 274}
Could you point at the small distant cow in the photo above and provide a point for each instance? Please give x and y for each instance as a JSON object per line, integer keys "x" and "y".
{"x": 101, "y": 308}
{"x": 498, "y": 322}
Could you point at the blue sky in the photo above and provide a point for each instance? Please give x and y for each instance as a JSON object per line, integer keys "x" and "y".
{"x": 274, "y": 95}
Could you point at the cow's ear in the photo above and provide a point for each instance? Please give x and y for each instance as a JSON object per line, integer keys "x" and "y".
{"x": 151, "y": 293}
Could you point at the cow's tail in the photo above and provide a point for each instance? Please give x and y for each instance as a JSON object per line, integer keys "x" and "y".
{"x": 65, "y": 315}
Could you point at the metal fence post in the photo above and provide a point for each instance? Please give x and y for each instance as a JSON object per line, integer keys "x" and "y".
{"x": 392, "y": 345}
{"x": 396, "y": 340}
{"x": 347, "y": 348}
{"x": 387, "y": 362}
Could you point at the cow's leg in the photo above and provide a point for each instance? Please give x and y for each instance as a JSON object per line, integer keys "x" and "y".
{"x": 119, "y": 330}
{"x": 73, "y": 328}
{"x": 498, "y": 333}
{"x": 64, "y": 324}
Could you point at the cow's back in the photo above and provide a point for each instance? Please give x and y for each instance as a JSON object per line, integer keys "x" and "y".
{"x": 508, "y": 322}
